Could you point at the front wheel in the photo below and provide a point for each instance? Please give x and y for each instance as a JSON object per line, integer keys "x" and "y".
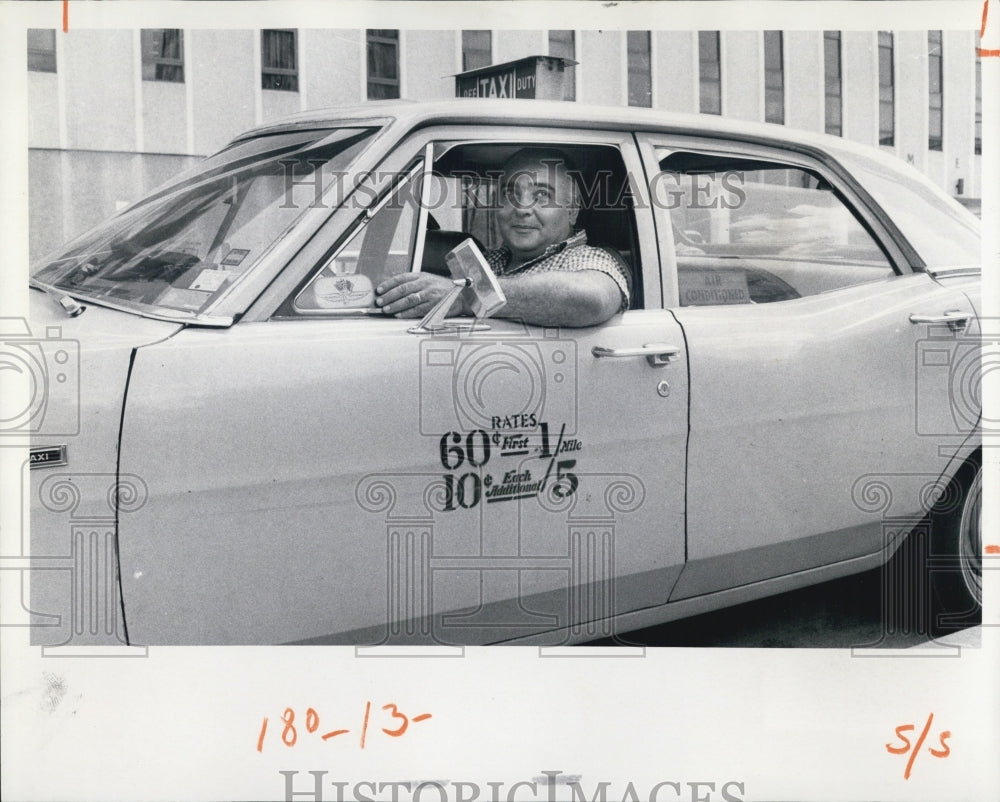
{"x": 955, "y": 567}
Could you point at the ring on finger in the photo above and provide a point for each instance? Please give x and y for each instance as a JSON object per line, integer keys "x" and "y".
{"x": 416, "y": 298}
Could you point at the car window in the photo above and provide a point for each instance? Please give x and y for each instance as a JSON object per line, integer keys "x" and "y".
{"x": 460, "y": 195}
{"x": 943, "y": 233}
{"x": 382, "y": 245}
{"x": 751, "y": 231}
{"x": 185, "y": 248}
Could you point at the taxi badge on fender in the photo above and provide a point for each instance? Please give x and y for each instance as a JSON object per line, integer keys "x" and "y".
{"x": 48, "y": 456}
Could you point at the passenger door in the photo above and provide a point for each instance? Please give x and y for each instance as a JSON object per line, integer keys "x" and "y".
{"x": 804, "y": 376}
{"x": 327, "y": 476}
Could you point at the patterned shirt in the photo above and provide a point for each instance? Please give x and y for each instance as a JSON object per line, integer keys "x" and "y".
{"x": 571, "y": 255}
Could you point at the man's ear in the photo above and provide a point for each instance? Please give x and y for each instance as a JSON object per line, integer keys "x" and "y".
{"x": 574, "y": 212}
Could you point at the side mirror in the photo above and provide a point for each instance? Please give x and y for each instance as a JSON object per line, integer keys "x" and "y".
{"x": 471, "y": 272}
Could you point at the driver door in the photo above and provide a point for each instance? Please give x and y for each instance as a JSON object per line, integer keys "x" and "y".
{"x": 318, "y": 473}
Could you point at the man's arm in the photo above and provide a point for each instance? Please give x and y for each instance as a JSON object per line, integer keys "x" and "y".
{"x": 560, "y": 298}
{"x": 556, "y": 298}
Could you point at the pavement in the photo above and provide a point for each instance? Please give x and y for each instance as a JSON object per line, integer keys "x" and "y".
{"x": 842, "y": 613}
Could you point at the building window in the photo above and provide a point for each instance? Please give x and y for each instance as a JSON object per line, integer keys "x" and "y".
{"x": 563, "y": 44}
{"x": 477, "y": 49}
{"x": 640, "y": 76}
{"x": 886, "y": 91}
{"x": 42, "y": 49}
{"x": 163, "y": 54}
{"x": 278, "y": 61}
{"x": 774, "y": 77}
{"x": 383, "y": 64}
{"x": 935, "y": 92}
{"x": 709, "y": 73}
{"x": 833, "y": 82}
{"x": 979, "y": 106}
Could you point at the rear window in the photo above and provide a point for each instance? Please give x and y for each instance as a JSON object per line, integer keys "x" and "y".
{"x": 939, "y": 229}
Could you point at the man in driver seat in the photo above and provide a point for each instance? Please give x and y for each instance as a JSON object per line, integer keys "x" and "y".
{"x": 549, "y": 274}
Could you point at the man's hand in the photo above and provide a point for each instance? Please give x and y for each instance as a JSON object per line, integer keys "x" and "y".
{"x": 415, "y": 294}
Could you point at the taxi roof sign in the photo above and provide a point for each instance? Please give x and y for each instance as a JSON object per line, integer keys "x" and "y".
{"x": 533, "y": 77}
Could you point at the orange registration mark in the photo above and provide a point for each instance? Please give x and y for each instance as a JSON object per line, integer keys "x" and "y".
{"x": 293, "y": 727}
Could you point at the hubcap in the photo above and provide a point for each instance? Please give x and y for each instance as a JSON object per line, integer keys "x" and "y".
{"x": 970, "y": 542}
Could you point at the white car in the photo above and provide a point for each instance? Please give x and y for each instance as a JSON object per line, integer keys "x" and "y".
{"x": 243, "y": 449}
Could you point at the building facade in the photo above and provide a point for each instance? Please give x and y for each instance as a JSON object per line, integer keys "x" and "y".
{"x": 112, "y": 113}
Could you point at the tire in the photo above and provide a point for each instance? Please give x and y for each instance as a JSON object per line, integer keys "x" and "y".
{"x": 954, "y": 566}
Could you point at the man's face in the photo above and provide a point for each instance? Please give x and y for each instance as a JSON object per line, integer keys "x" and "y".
{"x": 537, "y": 207}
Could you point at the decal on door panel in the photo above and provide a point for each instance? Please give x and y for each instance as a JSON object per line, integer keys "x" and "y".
{"x": 541, "y": 460}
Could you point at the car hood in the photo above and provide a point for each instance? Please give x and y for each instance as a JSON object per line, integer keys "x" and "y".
{"x": 77, "y": 371}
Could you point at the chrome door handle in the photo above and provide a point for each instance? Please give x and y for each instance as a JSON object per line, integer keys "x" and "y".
{"x": 657, "y": 354}
{"x": 955, "y": 319}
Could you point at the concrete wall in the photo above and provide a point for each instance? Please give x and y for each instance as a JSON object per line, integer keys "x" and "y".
{"x": 99, "y": 93}
{"x": 859, "y": 66}
{"x": 430, "y": 59}
{"x": 675, "y": 70}
{"x": 600, "y": 75}
{"x": 43, "y": 109}
{"x": 742, "y": 59}
{"x": 804, "y": 89}
{"x": 72, "y": 191}
{"x": 333, "y": 64}
{"x": 225, "y": 84}
{"x": 510, "y": 45}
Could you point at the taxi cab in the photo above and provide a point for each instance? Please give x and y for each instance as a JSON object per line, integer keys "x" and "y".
{"x": 249, "y": 451}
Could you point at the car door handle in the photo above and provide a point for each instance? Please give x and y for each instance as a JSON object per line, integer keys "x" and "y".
{"x": 955, "y": 319}
{"x": 657, "y": 354}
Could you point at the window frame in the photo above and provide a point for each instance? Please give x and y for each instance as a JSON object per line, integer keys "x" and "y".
{"x": 770, "y": 86}
{"x": 632, "y": 70}
{"x": 977, "y": 123}
{"x": 887, "y": 136}
{"x": 468, "y": 49}
{"x": 267, "y": 71}
{"x": 861, "y": 206}
{"x": 344, "y": 223}
{"x": 935, "y": 100}
{"x": 158, "y": 61}
{"x": 45, "y": 59}
{"x": 371, "y": 38}
{"x": 833, "y": 90}
{"x": 704, "y": 80}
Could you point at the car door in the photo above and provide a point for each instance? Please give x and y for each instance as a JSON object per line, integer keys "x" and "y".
{"x": 803, "y": 326}
{"x": 319, "y": 473}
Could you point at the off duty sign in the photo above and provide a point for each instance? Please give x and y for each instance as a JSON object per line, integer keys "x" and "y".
{"x": 534, "y": 77}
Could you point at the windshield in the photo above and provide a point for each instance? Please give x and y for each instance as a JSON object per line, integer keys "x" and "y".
{"x": 184, "y": 246}
{"x": 938, "y": 228}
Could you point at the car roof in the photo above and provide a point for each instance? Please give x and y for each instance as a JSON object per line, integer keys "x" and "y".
{"x": 409, "y": 114}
